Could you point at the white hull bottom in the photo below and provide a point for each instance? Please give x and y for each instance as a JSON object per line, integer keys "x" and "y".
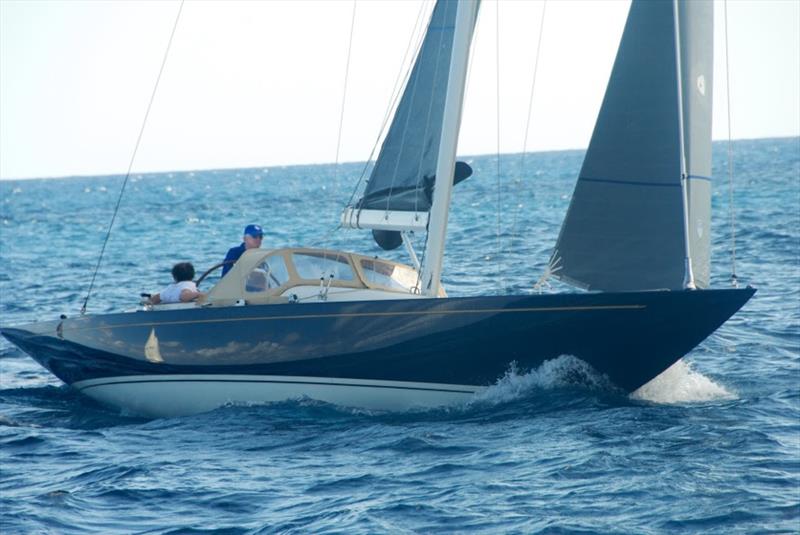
{"x": 163, "y": 396}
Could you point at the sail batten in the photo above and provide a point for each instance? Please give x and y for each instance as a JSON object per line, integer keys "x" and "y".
{"x": 629, "y": 182}
{"x": 624, "y": 229}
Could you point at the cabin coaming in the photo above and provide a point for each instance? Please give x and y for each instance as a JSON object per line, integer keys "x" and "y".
{"x": 306, "y": 275}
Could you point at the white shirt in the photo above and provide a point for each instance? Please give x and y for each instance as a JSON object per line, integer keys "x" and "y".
{"x": 172, "y": 293}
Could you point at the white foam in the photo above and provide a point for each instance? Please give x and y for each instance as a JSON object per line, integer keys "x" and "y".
{"x": 560, "y": 372}
{"x": 681, "y": 384}
{"x": 8, "y": 422}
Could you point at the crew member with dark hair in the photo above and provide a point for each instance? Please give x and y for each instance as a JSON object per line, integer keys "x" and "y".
{"x": 251, "y": 240}
{"x": 182, "y": 290}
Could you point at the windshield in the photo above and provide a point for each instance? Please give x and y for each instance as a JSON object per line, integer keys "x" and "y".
{"x": 389, "y": 275}
{"x": 323, "y": 265}
{"x": 270, "y": 273}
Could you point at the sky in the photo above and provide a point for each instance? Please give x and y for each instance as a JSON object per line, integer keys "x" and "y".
{"x": 258, "y": 84}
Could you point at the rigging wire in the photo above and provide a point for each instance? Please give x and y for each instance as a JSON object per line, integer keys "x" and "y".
{"x": 344, "y": 93}
{"x": 341, "y": 116}
{"x": 427, "y": 129}
{"x": 402, "y": 78}
{"x": 133, "y": 158}
{"x": 475, "y": 39}
{"x": 500, "y": 279}
{"x": 470, "y": 63}
{"x": 408, "y": 117}
{"x": 528, "y": 123}
{"x": 732, "y": 208}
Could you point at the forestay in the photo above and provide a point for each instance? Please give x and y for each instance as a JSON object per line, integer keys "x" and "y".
{"x": 624, "y": 229}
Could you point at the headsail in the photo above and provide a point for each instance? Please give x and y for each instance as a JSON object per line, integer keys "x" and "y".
{"x": 697, "y": 58}
{"x": 624, "y": 229}
{"x": 398, "y": 194}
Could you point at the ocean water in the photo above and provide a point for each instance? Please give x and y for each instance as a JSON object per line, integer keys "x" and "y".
{"x": 710, "y": 446}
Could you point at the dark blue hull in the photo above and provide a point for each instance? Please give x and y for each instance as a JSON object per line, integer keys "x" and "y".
{"x": 630, "y": 337}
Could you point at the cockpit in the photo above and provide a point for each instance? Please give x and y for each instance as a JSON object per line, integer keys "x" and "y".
{"x": 302, "y": 275}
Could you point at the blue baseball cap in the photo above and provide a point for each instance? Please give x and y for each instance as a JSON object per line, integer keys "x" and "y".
{"x": 253, "y": 230}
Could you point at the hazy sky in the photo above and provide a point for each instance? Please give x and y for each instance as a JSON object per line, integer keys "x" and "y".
{"x": 261, "y": 83}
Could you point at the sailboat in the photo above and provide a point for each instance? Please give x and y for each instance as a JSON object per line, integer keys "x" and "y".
{"x": 355, "y": 330}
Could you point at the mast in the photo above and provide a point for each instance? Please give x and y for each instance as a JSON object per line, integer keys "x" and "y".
{"x": 445, "y": 165}
{"x": 688, "y": 281}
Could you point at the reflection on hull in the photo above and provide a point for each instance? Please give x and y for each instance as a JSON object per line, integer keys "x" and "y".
{"x": 176, "y": 395}
{"x": 373, "y": 354}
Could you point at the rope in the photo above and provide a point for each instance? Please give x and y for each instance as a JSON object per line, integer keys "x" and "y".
{"x": 400, "y": 81}
{"x": 325, "y": 238}
{"x": 475, "y": 39}
{"x": 418, "y": 284}
{"x": 341, "y": 114}
{"x": 402, "y": 76}
{"x": 344, "y": 93}
{"x": 734, "y": 279}
{"x": 528, "y": 122}
{"x": 130, "y": 164}
{"x": 500, "y": 279}
{"x": 553, "y": 267}
{"x": 406, "y": 123}
{"x": 427, "y": 124}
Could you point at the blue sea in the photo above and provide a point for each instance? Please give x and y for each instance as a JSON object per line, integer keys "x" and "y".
{"x": 711, "y": 446}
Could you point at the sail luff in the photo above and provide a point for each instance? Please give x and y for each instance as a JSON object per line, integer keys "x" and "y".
{"x": 697, "y": 58}
{"x": 688, "y": 276}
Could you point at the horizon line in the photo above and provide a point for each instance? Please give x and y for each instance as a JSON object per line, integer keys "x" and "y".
{"x": 351, "y": 162}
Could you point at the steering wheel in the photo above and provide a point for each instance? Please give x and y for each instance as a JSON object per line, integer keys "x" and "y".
{"x": 208, "y": 272}
{"x": 215, "y": 267}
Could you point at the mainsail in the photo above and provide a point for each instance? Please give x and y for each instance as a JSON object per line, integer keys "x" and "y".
{"x": 398, "y": 194}
{"x": 625, "y": 227}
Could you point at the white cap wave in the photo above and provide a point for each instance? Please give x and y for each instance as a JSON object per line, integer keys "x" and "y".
{"x": 676, "y": 385}
{"x": 681, "y": 384}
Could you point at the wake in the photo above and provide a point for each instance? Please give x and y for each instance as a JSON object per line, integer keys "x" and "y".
{"x": 678, "y": 384}
{"x": 562, "y": 372}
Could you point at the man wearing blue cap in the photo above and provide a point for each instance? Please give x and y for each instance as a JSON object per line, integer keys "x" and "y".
{"x": 252, "y": 240}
